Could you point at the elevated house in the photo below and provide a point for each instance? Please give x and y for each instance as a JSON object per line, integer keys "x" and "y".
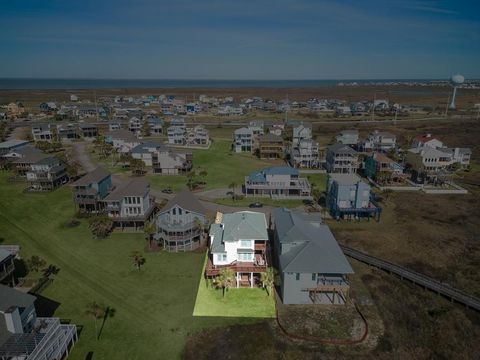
{"x": 123, "y": 141}
{"x": 381, "y": 168}
{"x": 156, "y": 125}
{"x": 243, "y": 140}
{"x": 239, "y": 241}
{"x": 130, "y": 205}
{"x": 341, "y": 159}
{"x": 379, "y": 141}
{"x": 67, "y": 131}
{"x": 197, "y": 136}
{"x": 270, "y": 146}
{"x": 135, "y": 125}
{"x": 280, "y": 182}
{"x": 44, "y": 132}
{"x": 23, "y": 159}
{"x": 306, "y": 154}
{"x": 177, "y": 132}
{"x": 302, "y": 131}
{"x": 24, "y": 335}
{"x": 48, "y": 107}
{"x": 181, "y": 222}
{"x": 348, "y": 196}
{"x": 47, "y": 174}
{"x": 348, "y": 137}
{"x": 428, "y": 164}
{"x": 88, "y": 130}
{"x": 91, "y": 189}
{"x": 162, "y": 159}
{"x": 312, "y": 267}
{"x": 257, "y": 127}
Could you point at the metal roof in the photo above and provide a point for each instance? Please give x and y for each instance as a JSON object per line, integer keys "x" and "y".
{"x": 241, "y": 225}
{"x": 94, "y": 176}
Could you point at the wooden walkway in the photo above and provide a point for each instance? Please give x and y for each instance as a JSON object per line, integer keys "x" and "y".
{"x": 416, "y": 278}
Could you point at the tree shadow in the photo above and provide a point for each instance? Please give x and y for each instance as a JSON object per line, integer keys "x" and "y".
{"x": 109, "y": 313}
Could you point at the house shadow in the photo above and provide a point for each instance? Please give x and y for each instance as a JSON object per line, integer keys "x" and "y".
{"x": 45, "y": 307}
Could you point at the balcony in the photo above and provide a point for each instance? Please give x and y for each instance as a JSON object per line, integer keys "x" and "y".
{"x": 257, "y": 266}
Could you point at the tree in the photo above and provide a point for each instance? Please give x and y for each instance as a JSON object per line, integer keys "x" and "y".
{"x": 268, "y": 279}
{"x": 149, "y": 229}
{"x": 137, "y": 166}
{"x": 225, "y": 279}
{"x": 35, "y": 263}
{"x": 146, "y": 129}
{"x": 100, "y": 226}
{"x": 73, "y": 168}
{"x": 203, "y": 174}
{"x": 232, "y": 186}
{"x": 95, "y": 311}
{"x": 138, "y": 259}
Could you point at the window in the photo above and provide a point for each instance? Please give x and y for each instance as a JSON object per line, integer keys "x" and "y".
{"x": 314, "y": 276}
{"x": 179, "y": 211}
{"x": 245, "y": 243}
{"x": 245, "y": 256}
{"x": 174, "y": 211}
{"x": 297, "y": 276}
{"x": 221, "y": 257}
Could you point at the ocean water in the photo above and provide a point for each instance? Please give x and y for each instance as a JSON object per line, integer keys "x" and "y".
{"x": 26, "y": 84}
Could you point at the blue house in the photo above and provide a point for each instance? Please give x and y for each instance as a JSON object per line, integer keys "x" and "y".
{"x": 312, "y": 267}
{"x": 89, "y": 190}
{"x": 349, "y": 196}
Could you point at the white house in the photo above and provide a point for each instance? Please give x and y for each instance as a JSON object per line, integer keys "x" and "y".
{"x": 239, "y": 241}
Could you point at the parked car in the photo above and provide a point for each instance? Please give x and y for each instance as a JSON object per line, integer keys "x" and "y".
{"x": 255, "y": 205}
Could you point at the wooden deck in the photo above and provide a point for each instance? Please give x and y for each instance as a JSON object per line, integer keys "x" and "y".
{"x": 238, "y": 267}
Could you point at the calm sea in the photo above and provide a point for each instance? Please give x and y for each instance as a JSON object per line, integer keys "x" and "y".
{"x": 25, "y": 84}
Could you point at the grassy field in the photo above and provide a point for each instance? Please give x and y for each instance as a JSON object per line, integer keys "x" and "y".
{"x": 153, "y": 307}
{"x": 243, "y": 302}
{"x": 223, "y": 167}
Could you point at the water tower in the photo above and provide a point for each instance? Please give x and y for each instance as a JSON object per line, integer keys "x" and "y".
{"x": 456, "y": 80}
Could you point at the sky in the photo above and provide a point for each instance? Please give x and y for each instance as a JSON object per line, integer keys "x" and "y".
{"x": 243, "y": 39}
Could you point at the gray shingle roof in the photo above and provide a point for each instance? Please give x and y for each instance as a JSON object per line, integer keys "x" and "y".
{"x": 94, "y": 176}
{"x": 317, "y": 250}
{"x": 341, "y": 148}
{"x": 187, "y": 201}
{"x": 134, "y": 187}
{"x": 11, "y": 297}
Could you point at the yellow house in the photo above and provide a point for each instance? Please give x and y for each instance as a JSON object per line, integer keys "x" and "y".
{"x": 15, "y": 108}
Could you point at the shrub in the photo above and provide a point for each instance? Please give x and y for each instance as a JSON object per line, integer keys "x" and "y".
{"x": 100, "y": 226}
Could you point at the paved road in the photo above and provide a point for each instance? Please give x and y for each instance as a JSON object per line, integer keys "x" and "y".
{"x": 82, "y": 156}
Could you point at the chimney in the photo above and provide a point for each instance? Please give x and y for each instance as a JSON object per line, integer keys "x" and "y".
{"x": 13, "y": 320}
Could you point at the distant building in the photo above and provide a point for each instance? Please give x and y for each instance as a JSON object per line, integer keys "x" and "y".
{"x": 239, "y": 241}
{"x": 270, "y": 146}
{"x": 312, "y": 267}
{"x": 181, "y": 222}
{"x": 379, "y": 141}
{"x": 349, "y": 196}
{"x": 123, "y": 141}
{"x": 45, "y": 132}
{"x": 197, "y": 136}
{"x": 381, "y": 168}
{"x": 162, "y": 159}
{"x": 156, "y": 125}
{"x": 88, "y": 130}
{"x": 424, "y": 140}
{"x": 341, "y": 159}
{"x": 23, "y": 335}
{"x": 243, "y": 140}
{"x": 302, "y": 131}
{"x": 281, "y": 182}
{"x": 348, "y": 137}
{"x": 305, "y": 154}
{"x": 428, "y": 164}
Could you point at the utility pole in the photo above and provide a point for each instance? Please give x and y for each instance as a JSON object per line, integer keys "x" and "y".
{"x": 446, "y": 107}
{"x": 373, "y": 106}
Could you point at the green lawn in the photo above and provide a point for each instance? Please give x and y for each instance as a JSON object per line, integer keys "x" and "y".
{"x": 153, "y": 306}
{"x": 264, "y": 200}
{"x": 319, "y": 180}
{"x": 223, "y": 167}
{"x": 243, "y": 302}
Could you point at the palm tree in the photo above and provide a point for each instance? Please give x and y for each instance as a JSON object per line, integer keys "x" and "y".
{"x": 138, "y": 259}
{"x": 95, "y": 311}
{"x": 149, "y": 229}
{"x": 232, "y": 186}
{"x": 268, "y": 279}
{"x": 225, "y": 279}
{"x": 35, "y": 263}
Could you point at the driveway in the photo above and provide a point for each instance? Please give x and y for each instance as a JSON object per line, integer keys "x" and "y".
{"x": 82, "y": 156}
